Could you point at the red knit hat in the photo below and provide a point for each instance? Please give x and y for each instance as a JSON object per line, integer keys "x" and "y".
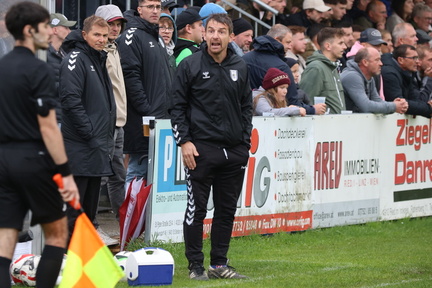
{"x": 275, "y": 77}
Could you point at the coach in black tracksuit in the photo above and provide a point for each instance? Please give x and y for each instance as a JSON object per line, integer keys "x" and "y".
{"x": 89, "y": 115}
{"x": 212, "y": 122}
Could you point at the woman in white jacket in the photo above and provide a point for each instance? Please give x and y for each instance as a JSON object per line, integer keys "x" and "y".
{"x": 272, "y": 101}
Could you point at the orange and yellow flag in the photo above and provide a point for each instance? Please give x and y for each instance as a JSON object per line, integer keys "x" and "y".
{"x": 89, "y": 262}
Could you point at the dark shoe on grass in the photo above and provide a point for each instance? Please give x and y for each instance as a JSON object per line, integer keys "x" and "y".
{"x": 224, "y": 272}
{"x": 197, "y": 272}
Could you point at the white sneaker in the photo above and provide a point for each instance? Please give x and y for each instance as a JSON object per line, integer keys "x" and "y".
{"x": 106, "y": 238}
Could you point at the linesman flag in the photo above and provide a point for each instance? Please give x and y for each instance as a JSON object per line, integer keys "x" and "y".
{"x": 90, "y": 263}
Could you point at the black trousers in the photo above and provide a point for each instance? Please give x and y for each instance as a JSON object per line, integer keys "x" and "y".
{"x": 88, "y": 188}
{"x": 223, "y": 170}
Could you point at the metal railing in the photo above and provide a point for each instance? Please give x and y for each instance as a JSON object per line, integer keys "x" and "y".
{"x": 253, "y": 18}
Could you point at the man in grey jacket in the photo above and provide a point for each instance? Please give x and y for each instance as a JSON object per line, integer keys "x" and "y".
{"x": 359, "y": 85}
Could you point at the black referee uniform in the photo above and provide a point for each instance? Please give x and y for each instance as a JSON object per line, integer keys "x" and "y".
{"x": 27, "y": 88}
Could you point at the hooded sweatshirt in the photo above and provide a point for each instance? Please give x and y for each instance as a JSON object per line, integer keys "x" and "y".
{"x": 113, "y": 64}
{"x": 172, "y": 44}
{"x": 361, "y": 94}
{"x": 321, "y": 79}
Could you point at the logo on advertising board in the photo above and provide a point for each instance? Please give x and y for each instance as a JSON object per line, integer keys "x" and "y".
{"x": 409, "y": 169}
{"x": 171, "y": 175}
{"x": 406, "y": 170}
{"x": 254, "y": 175}
{"x": 327, "y": 165}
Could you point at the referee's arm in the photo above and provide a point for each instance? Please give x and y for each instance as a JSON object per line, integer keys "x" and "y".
{"x": 53, "y": 140}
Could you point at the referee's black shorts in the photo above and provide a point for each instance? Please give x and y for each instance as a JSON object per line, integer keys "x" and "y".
{"x": 26, "y": 171}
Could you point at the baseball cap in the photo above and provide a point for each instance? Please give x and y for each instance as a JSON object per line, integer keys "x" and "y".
{"x": 422, "y": 36}
{"x": 275, "y": 77}
{"x": 371, "y": 36}
{"x": 315, "y": 4}
{"x": 110, "y": 13}
{"x": 188, "y": 16}
{"x": 169, "y": 4}
{"x": 210, "y": 8}
{"x": 58, "y": 19}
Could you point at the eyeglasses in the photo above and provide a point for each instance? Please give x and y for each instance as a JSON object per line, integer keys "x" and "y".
{"x": 415, "y": 58}
{"x": 166, "y": 29}
{"x": 152, "y": 7}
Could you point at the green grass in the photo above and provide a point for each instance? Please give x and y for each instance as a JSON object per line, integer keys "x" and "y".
{"x": 381, "y": 254}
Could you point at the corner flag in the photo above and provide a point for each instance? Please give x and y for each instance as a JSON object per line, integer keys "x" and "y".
{"x": 89, "y": 262}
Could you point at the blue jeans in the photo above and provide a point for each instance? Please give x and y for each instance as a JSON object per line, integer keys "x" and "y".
{"x": 137, "y": 166}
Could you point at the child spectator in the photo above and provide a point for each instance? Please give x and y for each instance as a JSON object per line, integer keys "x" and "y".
{"x": 272, "y": 100}
{"x": 295, "y": 69}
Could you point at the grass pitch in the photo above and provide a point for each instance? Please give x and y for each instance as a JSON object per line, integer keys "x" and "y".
{"x": 380, "y": 254}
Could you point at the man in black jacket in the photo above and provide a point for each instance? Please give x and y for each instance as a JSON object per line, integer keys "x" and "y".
{"x": 397, "y": 74}
{"x": 212, "y": 127}
{"x": 89, "y": 111}
{"x": 148, "y": 80}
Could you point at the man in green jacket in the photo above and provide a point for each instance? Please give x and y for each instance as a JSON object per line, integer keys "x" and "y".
{"x": 321, "y": 77}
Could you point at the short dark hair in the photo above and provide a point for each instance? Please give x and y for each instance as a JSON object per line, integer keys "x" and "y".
{"x": 143, "y": 1}
{"x": 329, "y": 33}
{"x": 22, "y": 14}
{"x": 221, "y": 18}
{"x": 362, "y": 54}
{"x": 398, "y": 8}
{"x": 314, "y": 29}
{"x": 93, "y": 20}
{"x": 343, "y": 24}
{"x": 357, "y": 28}
{"x": 335, "y": 2}
{"x": 401, "y": 50}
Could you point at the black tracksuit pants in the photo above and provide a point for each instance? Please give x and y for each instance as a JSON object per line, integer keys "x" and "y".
{"x": 222, "y": 169}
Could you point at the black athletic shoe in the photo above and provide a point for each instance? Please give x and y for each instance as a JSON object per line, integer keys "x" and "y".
{"x": 197, "y": 272}
{"x": 224, "y": 272}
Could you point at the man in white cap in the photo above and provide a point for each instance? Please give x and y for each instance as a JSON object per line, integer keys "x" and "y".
{"x": 313, "y": 12}
{"x": 115, "y": 184}
{"x": 61, "y": 28}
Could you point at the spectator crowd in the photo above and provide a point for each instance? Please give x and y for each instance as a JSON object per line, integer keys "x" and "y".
{"x": 310, "y": 57}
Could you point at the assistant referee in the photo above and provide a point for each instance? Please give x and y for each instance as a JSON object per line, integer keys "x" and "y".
{"x": 31, "y": 146}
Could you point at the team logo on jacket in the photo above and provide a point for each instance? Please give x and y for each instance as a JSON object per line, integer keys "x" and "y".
{"x": 151, "y": 44}
{"x": 72, "y": 60}
{"x": 129, "y": 35}
{"x": 206, "y": 75}
{"x": 234, "y": 75}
